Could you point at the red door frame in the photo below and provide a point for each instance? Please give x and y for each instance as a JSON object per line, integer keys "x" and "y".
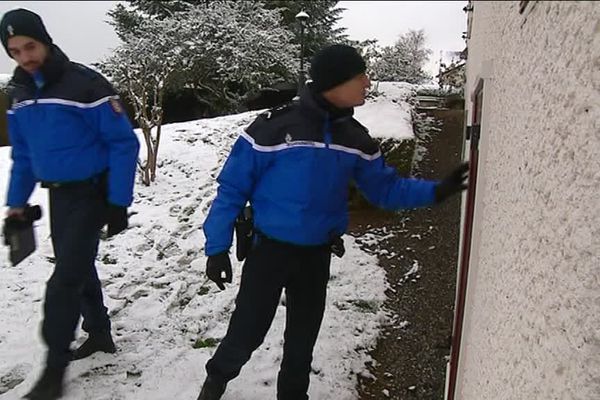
{"x": 474, "y": 132}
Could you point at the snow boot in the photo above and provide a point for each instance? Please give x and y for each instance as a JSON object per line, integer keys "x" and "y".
{"x": 49, "y": 386}
{"x": 212, "y": 389}
{"x": 99, "y": 341}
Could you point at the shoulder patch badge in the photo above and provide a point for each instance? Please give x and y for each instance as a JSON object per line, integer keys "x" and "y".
{"x": 116, "y": 106}
{"x": 277, "y": 111}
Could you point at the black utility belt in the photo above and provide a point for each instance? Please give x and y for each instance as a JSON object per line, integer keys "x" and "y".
{"x": 335, "y": 246}
{"x": 262, "y": 236}
{"x": 71, "y": 184}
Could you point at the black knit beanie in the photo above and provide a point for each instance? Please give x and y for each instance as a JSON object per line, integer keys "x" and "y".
{"x": 21, "y": 22}
{"x": 335, "y": 65}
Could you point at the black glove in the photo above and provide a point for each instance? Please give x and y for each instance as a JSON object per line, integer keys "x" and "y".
{"x": 216, "y": 266}
{"x": 116, "y": 219}
{"x": 453, "y": 183}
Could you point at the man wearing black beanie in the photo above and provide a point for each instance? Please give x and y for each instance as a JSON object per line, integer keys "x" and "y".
{"x": 21, "y": 22}
{"x": 68, "y": 131}
{"x": 335, "y": 65}
{"x": 294, "y": 165}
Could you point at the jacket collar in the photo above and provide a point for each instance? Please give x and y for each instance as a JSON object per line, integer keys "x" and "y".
{"x": 51, "y": 70}
{"x": 316, "y": 105}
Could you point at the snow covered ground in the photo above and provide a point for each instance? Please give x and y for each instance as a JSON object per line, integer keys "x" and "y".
{"x": 388, "y": 115}
{"x": 163, "y": 309}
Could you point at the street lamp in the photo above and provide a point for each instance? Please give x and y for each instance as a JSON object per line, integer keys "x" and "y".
{"x": 302, "y": 17}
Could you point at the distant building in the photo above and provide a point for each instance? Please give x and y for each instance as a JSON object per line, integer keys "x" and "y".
{"x": 452, "y": 76}
{"x": 527, "y": 322}
{"x": 451, "y": 73}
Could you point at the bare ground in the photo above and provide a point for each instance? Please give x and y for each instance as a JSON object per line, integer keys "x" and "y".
{"x": 411, "y": 354}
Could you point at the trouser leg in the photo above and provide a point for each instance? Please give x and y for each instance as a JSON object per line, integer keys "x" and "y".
{"x": 305, "y": 301}
{"x": 76, "y": 215}
{"x": 93, "y": 311}
{"x": 256, "y": 304}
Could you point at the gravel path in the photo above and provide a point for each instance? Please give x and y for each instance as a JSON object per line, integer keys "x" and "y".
{"x": 420, "y": 262}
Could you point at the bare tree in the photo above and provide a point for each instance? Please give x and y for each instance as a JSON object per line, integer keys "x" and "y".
{"x": 405, "y": 60}
{"x": 142, "y": 67}
{"x": 221, "y": 51}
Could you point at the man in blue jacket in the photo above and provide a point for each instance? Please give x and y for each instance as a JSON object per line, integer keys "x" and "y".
{"x": 68, "y": 131}
{"x": 294, "y": 165}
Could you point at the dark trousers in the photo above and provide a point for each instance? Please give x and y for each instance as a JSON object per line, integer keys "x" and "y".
{"x": 77, "y": 214}
{"x": 270, "y": 267}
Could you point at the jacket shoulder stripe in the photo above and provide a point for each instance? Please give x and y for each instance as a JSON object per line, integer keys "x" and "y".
{"x": 65, "y": 102}
{"x": 312, "y": 144}
{"x": 281, "y": 146}
{"x": 365, "y": 156}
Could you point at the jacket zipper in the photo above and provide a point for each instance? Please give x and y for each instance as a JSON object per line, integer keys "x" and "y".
{"x": 39, "y": 83}
{"x": 327, "y": 131}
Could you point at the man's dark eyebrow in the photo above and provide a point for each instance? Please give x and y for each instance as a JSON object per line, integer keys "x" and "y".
{"x": 27, "y": 44}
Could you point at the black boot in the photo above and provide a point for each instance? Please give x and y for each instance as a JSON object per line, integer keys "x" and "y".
{"x": 100, "y": 341}
{"x": 49, "y": 386}
{"x": 212, "y": 389}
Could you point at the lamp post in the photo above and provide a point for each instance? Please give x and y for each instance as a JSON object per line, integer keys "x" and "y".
{"x": 302, "y": 17}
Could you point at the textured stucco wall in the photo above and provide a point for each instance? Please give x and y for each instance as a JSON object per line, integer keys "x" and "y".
{"x": 532, "y": 327}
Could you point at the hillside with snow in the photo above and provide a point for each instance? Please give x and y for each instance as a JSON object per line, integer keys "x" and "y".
{"x": 166, "y": 315}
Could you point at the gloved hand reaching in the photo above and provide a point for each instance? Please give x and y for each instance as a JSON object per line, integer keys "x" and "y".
{"x": 216, "y": 266}
{"x": 452, "y": 183}
{"x": 116, "y": 219}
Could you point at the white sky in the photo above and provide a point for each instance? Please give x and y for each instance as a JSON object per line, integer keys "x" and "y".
{"x": 443, "y": 22}
{"x": 80, "y": 28}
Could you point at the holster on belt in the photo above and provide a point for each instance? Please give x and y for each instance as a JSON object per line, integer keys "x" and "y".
{"x": 244, "y": 233}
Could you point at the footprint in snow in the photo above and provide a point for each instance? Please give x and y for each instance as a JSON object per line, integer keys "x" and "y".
{"x": 14, "y": 377}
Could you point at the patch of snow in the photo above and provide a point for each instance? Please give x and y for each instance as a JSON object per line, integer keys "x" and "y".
{"x": 388, "y": 115}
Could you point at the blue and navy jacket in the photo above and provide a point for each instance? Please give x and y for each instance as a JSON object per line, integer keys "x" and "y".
{"x": 294, "y": 165}
{"x": 66, "y": 124}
